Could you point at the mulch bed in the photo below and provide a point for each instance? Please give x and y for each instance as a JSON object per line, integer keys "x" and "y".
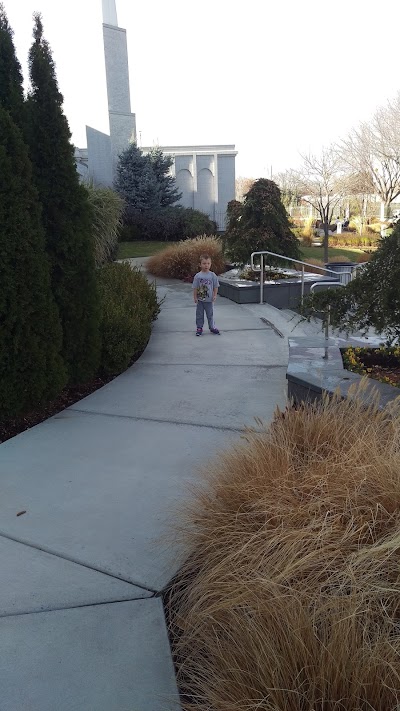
{"x": 68, "y": 397}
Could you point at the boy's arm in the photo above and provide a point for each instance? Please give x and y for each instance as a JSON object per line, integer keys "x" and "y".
{"x": 216, "y": 285}
{"x": 195, "y": 286}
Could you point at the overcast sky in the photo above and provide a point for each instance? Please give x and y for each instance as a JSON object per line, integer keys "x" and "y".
{"x": 274, "y": 77}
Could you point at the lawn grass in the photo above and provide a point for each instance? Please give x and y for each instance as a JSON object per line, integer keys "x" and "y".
{"x": 127, "y": 250}
{"x": 318, "y": 253}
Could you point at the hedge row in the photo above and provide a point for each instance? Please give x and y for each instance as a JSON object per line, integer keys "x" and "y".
{"x": 170, "y": 224}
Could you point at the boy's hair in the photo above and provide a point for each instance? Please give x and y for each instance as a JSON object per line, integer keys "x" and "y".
{"x": 204, "y": 256}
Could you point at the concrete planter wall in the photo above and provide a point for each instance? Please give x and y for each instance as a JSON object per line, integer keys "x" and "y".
{"x": 310, "y": 375}
{"x": 283, "y": 293}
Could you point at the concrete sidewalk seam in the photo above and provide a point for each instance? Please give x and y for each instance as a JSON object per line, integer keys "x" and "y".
{"x": 210, "y": 365}
{"x": 159, "y": 421}
{"x": 81, "y": 563}
{"x": 73, "y": 607}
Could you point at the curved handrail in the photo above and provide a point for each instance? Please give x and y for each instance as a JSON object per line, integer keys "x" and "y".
{"x": 295, "y": 261}
{"x": 339, "y": 275}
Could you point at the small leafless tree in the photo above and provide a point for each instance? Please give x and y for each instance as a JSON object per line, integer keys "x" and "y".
{"x": 360, "y": 199}
{"x": 242, "y": 187}
{"x": 373, "y": 150}
{"x": 324, "y": 185}
{"x": 290, "y": 187}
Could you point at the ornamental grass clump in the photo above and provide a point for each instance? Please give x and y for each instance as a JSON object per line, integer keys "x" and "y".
{"x": 290, "y": 596}
{"x": 182, "y": 259}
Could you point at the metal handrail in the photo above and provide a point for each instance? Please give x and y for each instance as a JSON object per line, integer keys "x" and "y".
{"x": 338, "y": 275}
{"x": 327, "y": 312}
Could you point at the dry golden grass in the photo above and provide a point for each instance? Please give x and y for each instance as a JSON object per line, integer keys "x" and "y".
{"x": 313, "y": 269}
{"x": 364, "y": 257}
{"x": 290, "y": 598}
{"x": 181, "y": 259}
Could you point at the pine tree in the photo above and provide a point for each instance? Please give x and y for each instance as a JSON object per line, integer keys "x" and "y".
{"x": 136, "y": 180}
{"x": 161, "y": 164}
{"x": 66, "y": 214}
{"x": 11, "y": 91}
{"x": 31, "y": 368}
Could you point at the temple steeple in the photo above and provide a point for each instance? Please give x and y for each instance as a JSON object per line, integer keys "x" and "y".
{"x": 110, "y": 13}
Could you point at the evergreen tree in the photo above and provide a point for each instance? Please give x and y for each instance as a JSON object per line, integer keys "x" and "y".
{"x": 11, "y": 91}
{"x": 372, "y": 299}
{"x": 144, "y": 181}
{"x": 66, "y": 214}
{"x": 260, "y": 223}
{"x": 136, "y": 180}
{"x": 161, "y": 164}
{"x": 31, "y": 368}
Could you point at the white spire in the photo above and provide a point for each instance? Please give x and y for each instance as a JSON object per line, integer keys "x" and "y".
{"x": 110, "y": 13}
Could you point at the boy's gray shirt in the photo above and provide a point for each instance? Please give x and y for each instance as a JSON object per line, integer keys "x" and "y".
{"x": 205, "y": 283}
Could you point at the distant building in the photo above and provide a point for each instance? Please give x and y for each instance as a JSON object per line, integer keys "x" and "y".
{"x": 204, "y": 174}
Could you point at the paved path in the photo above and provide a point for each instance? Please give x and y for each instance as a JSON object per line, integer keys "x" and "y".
{"x": 81, "y": 624}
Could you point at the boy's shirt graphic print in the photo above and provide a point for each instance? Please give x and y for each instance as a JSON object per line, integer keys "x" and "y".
{"x": 205, "y": 285}
{"x": 203, "y": 289}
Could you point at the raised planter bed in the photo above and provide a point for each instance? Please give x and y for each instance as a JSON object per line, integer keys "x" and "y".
{"x": 310, "y": 375}
{"x": 282, "y": 293}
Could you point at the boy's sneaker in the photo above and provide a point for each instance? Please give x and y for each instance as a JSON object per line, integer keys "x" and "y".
{"x": 199, "y": 332}
{"x": 215, "y": 331}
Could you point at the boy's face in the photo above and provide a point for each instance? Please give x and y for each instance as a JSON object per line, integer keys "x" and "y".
{"x": 205, "y": 265}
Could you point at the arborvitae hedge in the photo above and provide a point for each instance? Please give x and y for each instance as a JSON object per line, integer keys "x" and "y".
{"x": 66, "y": 214}
{"x": 31, "y": 368}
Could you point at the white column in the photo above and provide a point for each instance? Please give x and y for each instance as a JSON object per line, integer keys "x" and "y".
{"x": 194, "y": 180}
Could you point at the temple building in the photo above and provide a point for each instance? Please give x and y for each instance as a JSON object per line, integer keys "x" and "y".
{"x": 205, "y": 175}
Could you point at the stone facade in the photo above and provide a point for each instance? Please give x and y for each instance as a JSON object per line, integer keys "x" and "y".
{"x": 204, "y": 174}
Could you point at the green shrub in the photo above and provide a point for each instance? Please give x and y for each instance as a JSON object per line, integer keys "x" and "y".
{"x": 107, "y": 208}
{"x": 182, "y": 260}
{"x": 128, "y": 307}
{"x": 372, "y": 300}
{"x": 170, "y": 224}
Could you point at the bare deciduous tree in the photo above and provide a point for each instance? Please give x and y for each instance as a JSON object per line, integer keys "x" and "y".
{"x": 290, "y": 187}
{"x": 242, "y": 187}
{"x": 324, "y": 185}
{"x": 373, "y": 150}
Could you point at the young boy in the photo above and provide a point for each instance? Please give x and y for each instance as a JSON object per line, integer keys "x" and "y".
{"x": 205, "y": 289}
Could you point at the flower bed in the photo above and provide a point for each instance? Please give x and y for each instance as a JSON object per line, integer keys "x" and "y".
{"x": 382, "y": 363}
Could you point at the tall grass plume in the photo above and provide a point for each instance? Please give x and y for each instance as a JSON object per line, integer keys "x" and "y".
{"x": 182, "y": 259}
{"x": 290, "y": 597}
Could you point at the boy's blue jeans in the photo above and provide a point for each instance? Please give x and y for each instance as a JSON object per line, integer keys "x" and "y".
{"x": 206, "y": 307}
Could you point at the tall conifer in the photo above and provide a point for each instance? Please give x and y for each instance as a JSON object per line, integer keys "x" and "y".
{"x": 66, "y": 214}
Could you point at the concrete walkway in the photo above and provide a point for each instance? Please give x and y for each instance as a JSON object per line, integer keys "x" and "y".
{"x": 81, "y": 622}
